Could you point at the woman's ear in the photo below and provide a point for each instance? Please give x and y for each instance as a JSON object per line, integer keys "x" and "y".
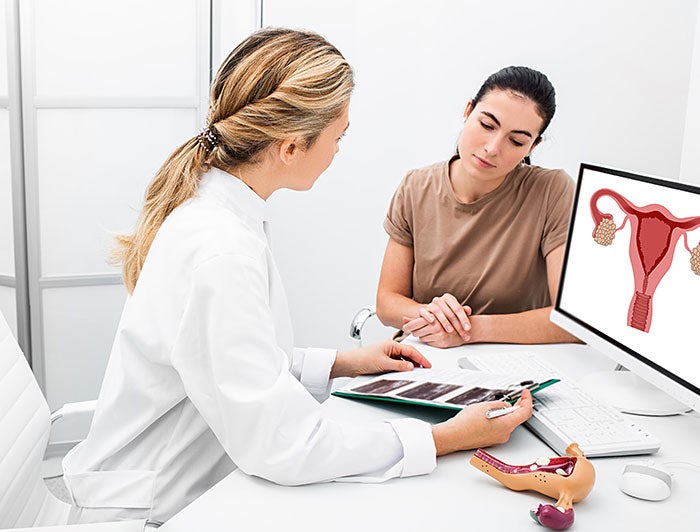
{"x": 288, "y": 150}
{"x": 468, "y": 109}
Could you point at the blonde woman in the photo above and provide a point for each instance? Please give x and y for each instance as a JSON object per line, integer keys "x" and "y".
{"x": 203, "y": 377}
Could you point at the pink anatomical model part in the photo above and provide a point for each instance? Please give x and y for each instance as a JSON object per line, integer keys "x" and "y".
{"x": 655, "y": 233}
{"x": 565, "y": 478}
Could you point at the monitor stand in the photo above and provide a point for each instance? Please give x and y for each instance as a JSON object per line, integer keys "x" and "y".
{"x": 630, "y": 394}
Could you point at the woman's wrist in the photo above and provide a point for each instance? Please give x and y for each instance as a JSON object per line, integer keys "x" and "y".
{"x": 343, "y": 365}
{"x": 445, "y": 438}
{"x": 480, "y": 328}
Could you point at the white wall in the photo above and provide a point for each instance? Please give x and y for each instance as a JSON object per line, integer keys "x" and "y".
{"x": 690, "y": 162}
{"x": 621, "y": 70}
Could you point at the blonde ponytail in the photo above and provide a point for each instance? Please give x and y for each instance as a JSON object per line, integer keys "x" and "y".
{"x": 277, "y": 84}
{"x": 175, "y": 182}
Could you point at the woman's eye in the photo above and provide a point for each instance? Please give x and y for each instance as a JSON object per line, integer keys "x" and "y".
{"x": 486, "y": 126}
{"x": 340, "y": 137}
{"x": 517, "y": 143}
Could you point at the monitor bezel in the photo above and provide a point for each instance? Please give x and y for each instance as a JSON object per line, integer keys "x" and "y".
{"x": 659, "y": 376}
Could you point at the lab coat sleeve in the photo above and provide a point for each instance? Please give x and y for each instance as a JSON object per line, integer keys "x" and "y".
{"x": 239, "y": 380}
{"x": 312, "y": 366}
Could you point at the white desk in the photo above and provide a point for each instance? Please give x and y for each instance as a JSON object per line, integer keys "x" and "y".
{"x": 456, "y": 496}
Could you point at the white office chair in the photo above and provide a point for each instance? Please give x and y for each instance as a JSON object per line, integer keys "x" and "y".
{"x": 25, "y": 501}
{"x": 365, "y": 327}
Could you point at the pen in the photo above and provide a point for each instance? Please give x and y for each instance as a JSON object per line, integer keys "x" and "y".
{"x": 498, "y": 412}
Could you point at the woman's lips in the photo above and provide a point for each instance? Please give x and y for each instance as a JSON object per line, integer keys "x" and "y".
{"x": 481, "y": 162}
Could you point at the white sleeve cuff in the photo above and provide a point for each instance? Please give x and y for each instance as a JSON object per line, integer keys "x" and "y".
{"x": 316, "y": 370}
{"x": 419, "y": 454}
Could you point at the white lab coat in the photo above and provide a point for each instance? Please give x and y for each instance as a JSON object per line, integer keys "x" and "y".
{"x": 203, "y": 378}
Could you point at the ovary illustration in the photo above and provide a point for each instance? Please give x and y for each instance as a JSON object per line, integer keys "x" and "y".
{"x": 654, "y": 235}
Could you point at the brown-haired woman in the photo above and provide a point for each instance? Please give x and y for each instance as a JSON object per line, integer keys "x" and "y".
{"x": 203, "y": 376}
{"x": 476, "y": 243}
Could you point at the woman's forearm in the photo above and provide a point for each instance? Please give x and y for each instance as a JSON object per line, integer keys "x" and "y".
{"x": 529, "y": 327}
{"x": 392, "y": 307}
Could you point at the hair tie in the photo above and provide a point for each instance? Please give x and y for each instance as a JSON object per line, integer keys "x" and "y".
{"x": 207, "y": 139}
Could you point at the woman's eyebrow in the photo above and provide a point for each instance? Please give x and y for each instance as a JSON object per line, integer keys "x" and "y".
{"x": 519, "y": 131}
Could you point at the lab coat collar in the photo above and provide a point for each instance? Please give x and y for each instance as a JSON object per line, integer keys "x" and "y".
{"x": 235, "y": 195}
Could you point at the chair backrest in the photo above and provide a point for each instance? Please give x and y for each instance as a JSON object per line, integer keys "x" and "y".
{"x": 24, "y": 431}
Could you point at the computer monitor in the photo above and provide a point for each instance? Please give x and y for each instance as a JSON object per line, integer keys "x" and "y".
{"x": 630, "y": 282}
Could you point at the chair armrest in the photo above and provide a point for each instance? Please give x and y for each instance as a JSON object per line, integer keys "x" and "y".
{"x": 359, "y": 320}
{"x": 74, "y": 426}
{"x": 81, "y": 407}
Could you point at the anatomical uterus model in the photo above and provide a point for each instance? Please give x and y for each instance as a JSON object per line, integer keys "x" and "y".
{"x": 654, "y": 235}
{"x": 568, "y": 479}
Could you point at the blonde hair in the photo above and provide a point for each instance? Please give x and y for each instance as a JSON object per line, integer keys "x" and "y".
{"x": 277, "y": 84}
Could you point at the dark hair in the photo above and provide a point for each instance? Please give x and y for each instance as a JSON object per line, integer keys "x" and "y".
{"x": 526, "y": 81}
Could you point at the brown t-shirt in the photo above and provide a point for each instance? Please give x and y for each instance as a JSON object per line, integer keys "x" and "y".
{"x": 490, "y": 254}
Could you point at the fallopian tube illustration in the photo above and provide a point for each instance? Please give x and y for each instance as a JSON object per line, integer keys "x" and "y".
{"x": 568, "y": 479}
{"x": 655, "y": 233}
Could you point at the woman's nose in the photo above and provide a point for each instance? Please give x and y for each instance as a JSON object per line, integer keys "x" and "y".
{"x": 492, "y": 145}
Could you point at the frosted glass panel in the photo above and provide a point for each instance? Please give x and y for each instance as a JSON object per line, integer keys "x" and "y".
{"x": 7, "y": 254}
{"x": 8, "y": 307}
{"x": 94, "y": 165}
{"x": 125, "y": 48}
{"x": 3, "y": 48}
{"x": 79, "y": 327}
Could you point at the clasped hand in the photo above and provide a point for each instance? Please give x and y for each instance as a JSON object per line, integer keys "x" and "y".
{"x": 444, "y": 322}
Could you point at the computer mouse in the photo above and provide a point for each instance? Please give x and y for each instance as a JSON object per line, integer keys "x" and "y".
{"x": 645, "y": 481}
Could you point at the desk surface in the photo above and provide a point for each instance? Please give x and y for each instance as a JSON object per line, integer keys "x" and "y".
{"x": 456, "y": 496}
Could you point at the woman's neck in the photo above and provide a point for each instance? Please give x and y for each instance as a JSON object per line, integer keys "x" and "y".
{"x": 466, "y": 187}
{"x": 258, "y": 177}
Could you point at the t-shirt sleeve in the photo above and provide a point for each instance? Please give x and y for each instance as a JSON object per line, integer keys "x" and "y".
{"x": 398, "y": 221}
{"x": 558, "y": 204}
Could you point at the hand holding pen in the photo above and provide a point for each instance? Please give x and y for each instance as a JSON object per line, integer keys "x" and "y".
{"x": 471, "y": 428}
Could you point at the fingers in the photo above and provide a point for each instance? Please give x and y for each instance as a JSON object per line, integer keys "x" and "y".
{"x": 397, "y": 364}
{"x": 525, "y": 403}
{"x": 460, "y": 317}
{"x": 426, "y": 315}
{"x": 412, "y": 326}
{"x": 494, "y": 405}
{"x": 439, "y": 313}
{"x": 410, "y": 353}
{"x": 451, "y": 315}
{"x": 517, "y": 417}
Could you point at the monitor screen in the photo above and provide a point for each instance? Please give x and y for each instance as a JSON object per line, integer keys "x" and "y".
{"x": 630, "y": 282}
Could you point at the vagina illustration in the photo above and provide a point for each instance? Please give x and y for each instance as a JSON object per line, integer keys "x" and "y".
{"x": 654, "y": 235}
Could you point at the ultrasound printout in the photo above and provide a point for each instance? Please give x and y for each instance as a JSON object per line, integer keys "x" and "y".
{"x": 428, "y": 391}
{"x": 381, "y": 386}
{"x": 477, "y": 395}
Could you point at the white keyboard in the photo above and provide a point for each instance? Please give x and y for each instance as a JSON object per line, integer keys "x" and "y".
{"x": 563, "y": 413}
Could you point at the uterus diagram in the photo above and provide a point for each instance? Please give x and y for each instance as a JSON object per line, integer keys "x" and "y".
{"x": 654, "y": 235}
